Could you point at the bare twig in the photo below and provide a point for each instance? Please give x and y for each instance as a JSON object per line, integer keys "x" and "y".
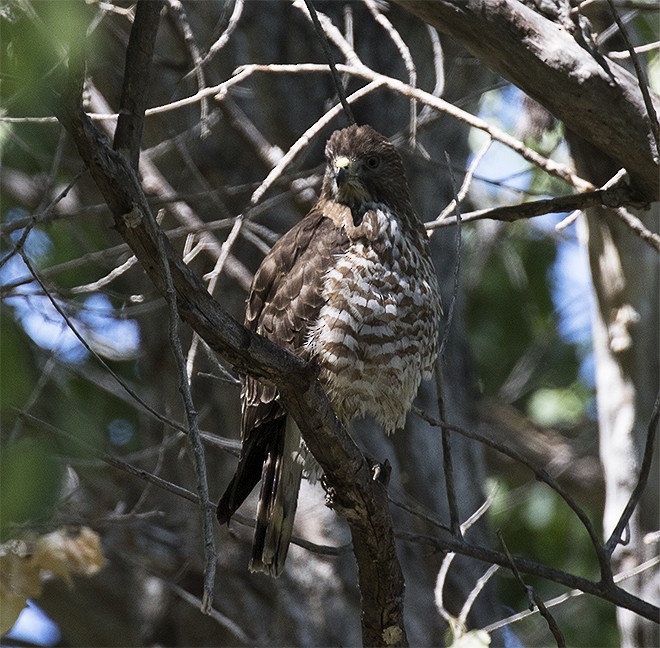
{"x": 457, "y": 265}
{"x": 333, "y": 34}
{"x": 475, "y": 591}
{"x": 439, "y": 69}
{"x": 613, "y": 197}
{"x": 450, "y": 486}
{"x": 418, "y": 511}
{"x": 179, "y": 12}
{"x": 465, "y": 186}
{"x": 303, "y": 140}
{"x": 210, "y": 553}
{"x": 38, "y": 216}
{"x": 404, "y": 51}
{"x": 635, "y": 225}
{"x": 534, "y": 598}
{"x": 96, "y": 356}
{"x": 562, "y": 598}
{"x": 645, "y": 470}
{"x": 225, "y": 622}
{"x": 95, "y": 286}
{"x": 138, "y": 63}
{"x": 542, "y": 475}
{"x": 323, "y": 39}
{"x": 641, "y": 79}
{"x": 232, "y": 23}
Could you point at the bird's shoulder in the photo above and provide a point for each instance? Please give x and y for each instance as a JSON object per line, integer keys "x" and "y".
{"x": 293, "y": 270}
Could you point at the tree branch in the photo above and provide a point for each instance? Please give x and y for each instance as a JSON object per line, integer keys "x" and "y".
{"x": 534, "y": 598}
{"x": 135, "y": 90}
{"x": 606, "y": 591}
{"x": 603, "y": 105}
{"x": 360, "y": 499}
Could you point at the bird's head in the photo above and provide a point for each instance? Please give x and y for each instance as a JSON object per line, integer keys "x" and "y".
{"x": 364, "y": 167}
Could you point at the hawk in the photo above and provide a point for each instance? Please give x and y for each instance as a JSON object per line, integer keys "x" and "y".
{"x": 352, "y": 287}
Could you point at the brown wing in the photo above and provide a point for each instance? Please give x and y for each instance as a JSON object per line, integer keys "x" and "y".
{"x": 284, "y": 300}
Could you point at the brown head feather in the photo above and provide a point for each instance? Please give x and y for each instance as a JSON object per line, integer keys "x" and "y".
{"x": 364, "y": 167}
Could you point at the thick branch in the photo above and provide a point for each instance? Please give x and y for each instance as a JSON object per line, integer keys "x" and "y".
{"x": 362, "y": 500}
{"x": 597, "y": 99}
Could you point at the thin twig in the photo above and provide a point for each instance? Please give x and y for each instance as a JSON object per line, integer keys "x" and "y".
{"x": 641, "y": 78}
{"x": 606, "y": 592}
{"x": 446, "y": 564}
{"x": 480, "y": 512}
{"x": 417, "y": 511}
{"x": 465, "y": 185}
{"x": 179, "y": 12}
{"x": 120, "y": 381}
{"x": 439, "y": 591}
{"x": 562, "y": 598}
{"x": 225, "y": 249}
{"x": 644, "y": 473}
{"x": 333, "y": 34}
{"x": 533, "y": 596}
{"x": 438, "y": 68}
{"x": 457, "y": 265}
{"x": 475, "y": 591}
{"x": 635, "y": 225}
{"x": 404, "y": 51}
{"x": 232, "y": 23}
{"x": 304, "y": 139}
{"x": 224, "y": 621}
{"x": 542, "y": 475}
{"x": 107, "y": 279}
{"x": 323, "y": 39}
{"x": 612, "y": 198}
{"x": 38, "y": 216}
{"x": 450, "y": 484}
{"x": 210, "y": 553}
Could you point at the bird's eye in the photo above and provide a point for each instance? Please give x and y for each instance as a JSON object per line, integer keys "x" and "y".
{"x": 373, "y": 161}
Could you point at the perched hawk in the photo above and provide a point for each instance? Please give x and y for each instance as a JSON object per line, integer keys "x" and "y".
{"x": 352, "y": 286}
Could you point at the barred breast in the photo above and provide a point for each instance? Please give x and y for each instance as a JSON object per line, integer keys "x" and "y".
{"x": 376, "y": 334}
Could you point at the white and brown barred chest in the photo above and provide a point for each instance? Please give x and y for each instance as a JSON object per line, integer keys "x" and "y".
{"x": 376, "y": 334}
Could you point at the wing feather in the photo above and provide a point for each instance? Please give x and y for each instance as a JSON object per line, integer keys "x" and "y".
{"x": 284, "y": 300}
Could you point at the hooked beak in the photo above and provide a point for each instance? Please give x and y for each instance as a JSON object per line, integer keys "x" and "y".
{"x": 347, "y": 186}
{"x": 342, "y": 169}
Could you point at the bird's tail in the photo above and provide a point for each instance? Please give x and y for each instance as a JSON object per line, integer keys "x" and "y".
{"x": 278, "y": 498}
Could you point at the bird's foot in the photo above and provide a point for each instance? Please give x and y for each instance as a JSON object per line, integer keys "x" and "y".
{"x": 380, "y": 472}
